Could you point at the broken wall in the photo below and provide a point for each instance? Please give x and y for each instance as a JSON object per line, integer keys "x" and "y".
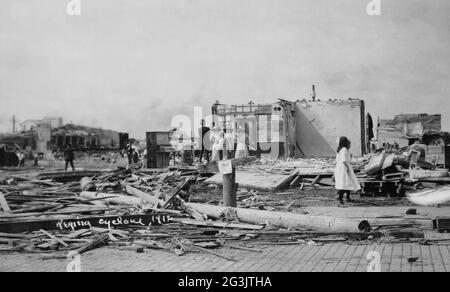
{"x": 319, "y": 124}
{"x": 43, "y": 136}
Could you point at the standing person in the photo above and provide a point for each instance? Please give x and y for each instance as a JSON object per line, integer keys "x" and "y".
{"x": 130, "y": 154}
{"x": 136, "y": 156}
{"x": 345, "y": 178}
{"x": 217, "y": 148}
{"x": 229, "y": 143}
{"x": 69, "y": 157}
{"x": 21, "y": 157}
{"x": 205, "y": 143}
{"x": 242, "y": 143}
{"x": 2, "y": 155}
{"x": 35, "y": 158}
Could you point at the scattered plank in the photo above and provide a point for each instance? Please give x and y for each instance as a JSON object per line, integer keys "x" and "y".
{"x": 4, "y": 203}
{"x": 145, "y": 196}
{"x": 54, "y": 238}
{"x": 218, "y": 224}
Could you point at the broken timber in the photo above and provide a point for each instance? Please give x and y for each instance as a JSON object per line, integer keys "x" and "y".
{"x": 67, "y": 176}
{"x": 143, "y": 195}
{"x": 218, "y": 224}
{"x": 285, "y": 220}
{"x": 4, "y": 204}
{"x": 117, "y": 199}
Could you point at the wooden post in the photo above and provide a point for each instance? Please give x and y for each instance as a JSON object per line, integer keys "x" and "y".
{"x": 229, "y": 189}
{"x": 229, "y": 180}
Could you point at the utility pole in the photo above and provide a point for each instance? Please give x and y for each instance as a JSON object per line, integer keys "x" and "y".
{"x": 14, "y": 124}
{"x": 313, "y": 95}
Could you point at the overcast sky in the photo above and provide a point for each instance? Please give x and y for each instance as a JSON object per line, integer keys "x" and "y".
{"x": 131, "y": 65}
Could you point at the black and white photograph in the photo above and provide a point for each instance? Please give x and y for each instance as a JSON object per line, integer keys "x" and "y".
{"x": 225, "y": 142}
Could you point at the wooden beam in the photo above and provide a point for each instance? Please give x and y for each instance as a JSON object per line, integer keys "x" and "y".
{"x": 117, "y": 199}
{"x": 177, "y": 192}
{"x": 235, "y": 162}
{"x": 145, "y": 196}
{"x": 73, "y": 224}
{"x": 54, "y": 238}
{"x": 284, "y": 219}
{"x": 229, "y": 189}
{"x": 295, "y": 180}
{"x": 100, "y": 240}
{"x": 287, "y": 180}
{"x": 316, "y": 180}
{"x": 218, "y": 224}
{"x": 4, "y": 203}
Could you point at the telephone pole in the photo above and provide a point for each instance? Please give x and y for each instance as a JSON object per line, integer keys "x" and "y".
{"x": 313, "y": 94}
{"x": 14, "y": 124}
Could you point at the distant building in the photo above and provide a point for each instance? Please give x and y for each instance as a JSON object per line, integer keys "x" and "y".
{"x": 29, "y": 125}
{"x": 54, "y": 122}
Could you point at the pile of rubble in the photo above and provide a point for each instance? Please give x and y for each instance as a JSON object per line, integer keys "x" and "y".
{"x": 135, "y": 209}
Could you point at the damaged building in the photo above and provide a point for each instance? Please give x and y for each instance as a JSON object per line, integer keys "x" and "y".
{"x": 43, "y": 138}
{"x": 405, "y": 129}
{"x": 301, "y": 129}
{"x": 85, "y": 138}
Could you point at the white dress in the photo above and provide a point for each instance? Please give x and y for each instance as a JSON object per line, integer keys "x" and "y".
{"x": 241, "y": 148}
{"x": 345, "y": 179}
{"x": 217, "y": 147}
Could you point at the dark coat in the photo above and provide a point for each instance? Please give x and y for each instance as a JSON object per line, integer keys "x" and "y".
{"x": 68, "y": 154}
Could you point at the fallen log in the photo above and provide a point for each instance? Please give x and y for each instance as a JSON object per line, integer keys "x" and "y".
{"x": 430, "y": 197}
{"x": 117, "y": 199}
{"x": 284, "y": 219}
{"x": 218, "y": 224}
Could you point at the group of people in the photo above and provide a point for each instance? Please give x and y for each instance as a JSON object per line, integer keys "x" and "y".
{"x": 221, "y": 143}
{"x": 132, "y": 153}
{"x": 22, "y": 156}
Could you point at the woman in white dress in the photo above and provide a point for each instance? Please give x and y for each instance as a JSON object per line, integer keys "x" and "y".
{"x": 242, "y": 144}
{"x": 344, "y": 175}
{"x": 217, "y": 141}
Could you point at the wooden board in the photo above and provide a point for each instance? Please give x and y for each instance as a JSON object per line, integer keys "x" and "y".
{"x": 4, "y": 204}
{"x": 219, "y": 224}
{"x": 67, "y": 175}
{"x": 85, "y": 223}
{"x": 375, "y": 164}
{"x": 388, "y": 161}
{"x": 251, "y": 180}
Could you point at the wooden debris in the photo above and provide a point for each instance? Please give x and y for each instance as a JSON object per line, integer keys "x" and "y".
{"x": 54, "y": 238}
{"x": 4, "y": 203}
{"x": 282, "y": 219}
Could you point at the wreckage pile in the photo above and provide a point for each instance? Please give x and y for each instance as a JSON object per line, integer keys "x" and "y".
{"x": 134, "y": 209}
{"x": 405, "y": 173}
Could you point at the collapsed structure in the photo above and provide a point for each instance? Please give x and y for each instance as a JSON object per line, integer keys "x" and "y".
{"x": 300, "y": 129}
{"x": 44, "y": 138}
{"x": 405, "y": 129}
